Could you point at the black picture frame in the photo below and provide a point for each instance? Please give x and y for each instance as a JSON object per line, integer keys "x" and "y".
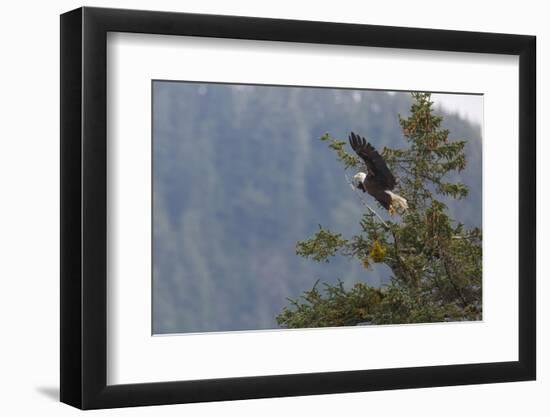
{"x": 84, "y": 207}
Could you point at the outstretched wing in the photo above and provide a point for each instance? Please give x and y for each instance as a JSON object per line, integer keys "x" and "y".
{"x": 378, "y": 170}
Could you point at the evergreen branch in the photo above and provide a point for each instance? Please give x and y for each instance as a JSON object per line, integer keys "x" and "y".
{"x": 436, "y": 267}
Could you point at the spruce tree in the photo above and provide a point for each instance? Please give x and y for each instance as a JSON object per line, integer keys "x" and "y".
{"x": 435, "y": 261}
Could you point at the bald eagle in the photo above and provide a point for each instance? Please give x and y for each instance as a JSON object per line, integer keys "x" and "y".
{"x": 379, "y": 181}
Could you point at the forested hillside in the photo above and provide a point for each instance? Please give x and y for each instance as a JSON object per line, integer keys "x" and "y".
{"x": 240, "y": 176}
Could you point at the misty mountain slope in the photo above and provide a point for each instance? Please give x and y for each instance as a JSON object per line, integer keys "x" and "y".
{"x": 240, "y": 175}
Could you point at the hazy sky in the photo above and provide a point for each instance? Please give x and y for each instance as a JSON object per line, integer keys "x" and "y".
{"x": 468, "y": 106}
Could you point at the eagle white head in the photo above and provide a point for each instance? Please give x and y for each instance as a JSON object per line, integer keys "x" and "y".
{"x": 359, "y": 178}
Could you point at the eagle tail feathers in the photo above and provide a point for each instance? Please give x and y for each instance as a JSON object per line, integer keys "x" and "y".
{"x": 397, "y": 201}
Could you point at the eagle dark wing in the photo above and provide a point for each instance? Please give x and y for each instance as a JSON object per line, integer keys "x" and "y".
{"x": 378, "y": 170}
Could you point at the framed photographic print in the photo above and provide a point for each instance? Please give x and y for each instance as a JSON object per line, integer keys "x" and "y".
{"x": 256, "y": 207}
